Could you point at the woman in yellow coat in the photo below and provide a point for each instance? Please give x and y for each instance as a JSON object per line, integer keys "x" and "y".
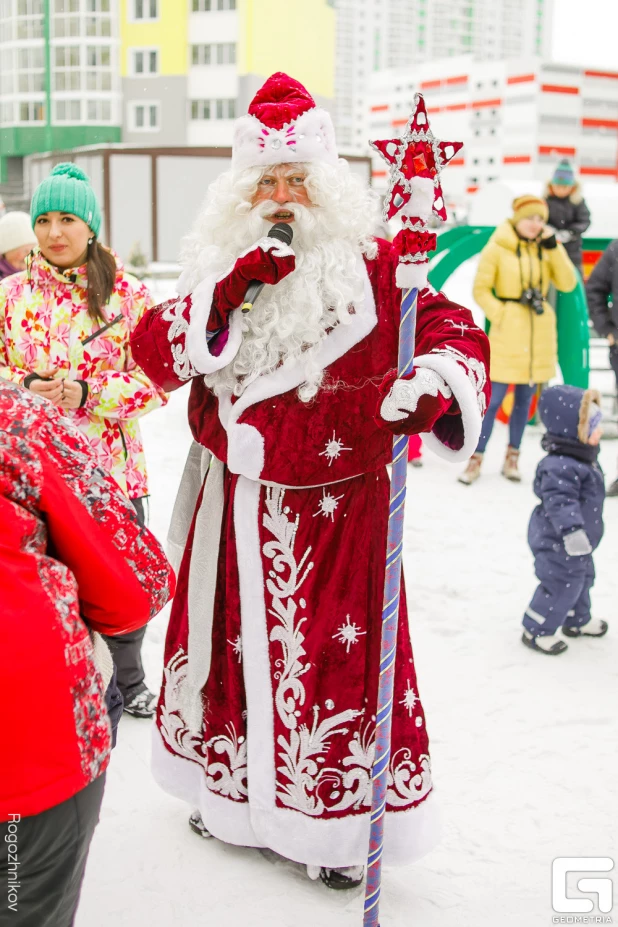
{"x": 518, "y": 264}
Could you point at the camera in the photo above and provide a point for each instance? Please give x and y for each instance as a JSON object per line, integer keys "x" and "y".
{"x": 533, "y": 298}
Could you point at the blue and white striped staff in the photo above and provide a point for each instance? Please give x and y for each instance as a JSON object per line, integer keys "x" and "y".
{"x": 414, "y": 193}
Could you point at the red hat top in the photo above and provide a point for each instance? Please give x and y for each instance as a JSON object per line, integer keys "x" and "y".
{"x": 283, "y": 125}
{"x": 280, "y": 100}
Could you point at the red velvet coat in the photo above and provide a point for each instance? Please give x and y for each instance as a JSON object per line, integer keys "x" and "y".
{"x": 70, "y": 549}
{"x": 280, "y": 587}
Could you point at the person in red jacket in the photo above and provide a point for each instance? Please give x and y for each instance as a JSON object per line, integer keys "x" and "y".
{"x": 74, "y": 564}
{"x": 266, "y": 719}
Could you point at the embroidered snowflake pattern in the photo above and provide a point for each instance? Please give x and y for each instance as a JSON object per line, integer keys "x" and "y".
{"x": 327, "y": 505}
{"x": 348, "y": 633}
{"x": 409, "y": 699}
{"x": 459, "y": 325}
{"x": 333, "y": 449}
{"x": 237, "y": 647}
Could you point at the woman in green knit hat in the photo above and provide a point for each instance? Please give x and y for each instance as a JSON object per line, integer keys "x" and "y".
{"x": 65, "y": 326}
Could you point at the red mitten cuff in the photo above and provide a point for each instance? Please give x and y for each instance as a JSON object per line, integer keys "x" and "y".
{"x": 266, "y": 262}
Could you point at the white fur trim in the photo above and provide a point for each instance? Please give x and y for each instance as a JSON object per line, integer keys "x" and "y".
{"x": 409, "y": 835}
{"x": 466, "y": 396}
{"x": 410, "y": 274}
{"x": 201, "y": 595}
{"x": 244, "y": 452}
{"x": 195, "y": 470}
{"x": 310, "y": 138}
{"x": 421, "y": 201}
{"x": 197, "y": 345}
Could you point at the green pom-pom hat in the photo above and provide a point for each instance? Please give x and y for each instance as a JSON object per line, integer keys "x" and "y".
{"x": 67, "y": 189}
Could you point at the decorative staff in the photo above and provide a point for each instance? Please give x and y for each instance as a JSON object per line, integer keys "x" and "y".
{"x": 414, "y": 193}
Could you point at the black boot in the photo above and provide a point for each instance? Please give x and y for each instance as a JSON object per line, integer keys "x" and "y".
{"x": 342, "y": 879}
{"x": 197, "y": 825}
{"x": 544, "y": 644}
{"x": 142, "y": 703}
{"x": 596, "y": 627}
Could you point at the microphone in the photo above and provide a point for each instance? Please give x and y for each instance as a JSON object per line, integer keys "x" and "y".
{"x": 282, "y": 232}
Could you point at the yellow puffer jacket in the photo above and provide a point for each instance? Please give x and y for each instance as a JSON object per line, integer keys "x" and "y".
{"x": 523, "y": 344}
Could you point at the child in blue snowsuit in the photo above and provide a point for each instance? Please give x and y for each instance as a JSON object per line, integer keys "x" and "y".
{"x": 567, "y": 526}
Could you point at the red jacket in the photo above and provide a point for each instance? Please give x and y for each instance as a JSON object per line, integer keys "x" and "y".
{"x": 71, "y": 552}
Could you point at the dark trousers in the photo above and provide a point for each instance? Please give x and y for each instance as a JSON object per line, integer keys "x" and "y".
{"x": 519, "y": 415}
{"x": 51, "y": 849}
{"x": 562, "y": 597}
{"x": 127, "y": 648}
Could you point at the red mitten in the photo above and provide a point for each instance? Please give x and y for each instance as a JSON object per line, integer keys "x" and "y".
{"x": 269, "y": 261}
{"x": 414, "y": 405}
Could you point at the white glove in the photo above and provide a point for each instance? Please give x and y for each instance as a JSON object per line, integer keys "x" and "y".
{"x": 404, "y": 395}
{"x": 577, "y": 544}
{"x": 563, "y": 236}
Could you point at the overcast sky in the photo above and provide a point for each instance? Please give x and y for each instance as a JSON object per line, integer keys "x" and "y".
{"x": 586, "y": 32}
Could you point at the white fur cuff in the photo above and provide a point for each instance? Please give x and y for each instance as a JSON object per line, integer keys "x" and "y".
{"x": 411, "y": 274}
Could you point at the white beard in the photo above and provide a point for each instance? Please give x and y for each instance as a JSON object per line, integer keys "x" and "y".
{"x": 292, "y": 318}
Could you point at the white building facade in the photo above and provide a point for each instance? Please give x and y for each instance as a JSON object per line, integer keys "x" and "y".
{"x": 376, "y": 35}
{"x": 517, "y": 118}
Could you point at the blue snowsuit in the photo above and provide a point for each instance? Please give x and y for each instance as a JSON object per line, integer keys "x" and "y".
{"x": 570, "y": 485}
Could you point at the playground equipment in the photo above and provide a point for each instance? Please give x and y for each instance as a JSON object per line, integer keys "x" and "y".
{"x": 463, "y": 242}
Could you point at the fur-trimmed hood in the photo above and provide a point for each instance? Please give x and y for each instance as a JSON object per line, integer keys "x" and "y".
{"x": 565, "y": 411}
{"x": 576, "y": 197}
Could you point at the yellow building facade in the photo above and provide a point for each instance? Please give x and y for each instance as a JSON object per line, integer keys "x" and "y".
{"x": 190, "y": 67}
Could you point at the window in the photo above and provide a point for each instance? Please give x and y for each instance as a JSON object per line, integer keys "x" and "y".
{"x": 32, "y": 112}
{"x": 221, "y": 53}
{"x": 31, "y": 28}
{"x": 64, "y": 26}
{"x": 144, "y": 117}
{"x": 98, "y": 26}
{"x": 99, "y": 111}
{"x": 30, "y": 70}
{"x": 99, "y": 73}
{"x": 7, "y": 113}
{"x": 144, "y": 61}
{"x": 67, "y": 75}
{"x": 213, "y": 109}
{"x": 68, "y": 110}
{"x": 207, "y": 6}
{"x": 98, "y": 6}
{"x": 29, "y": 7}
{"x": 145, "y": 9}
{"x": 66, "y": 6}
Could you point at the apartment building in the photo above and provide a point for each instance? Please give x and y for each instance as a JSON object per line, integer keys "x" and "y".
{"x": 516, "y": 117}
{"x": 377, "y": 35}
{"x": 190, "y": 67}
{"x": 59, "y": 78}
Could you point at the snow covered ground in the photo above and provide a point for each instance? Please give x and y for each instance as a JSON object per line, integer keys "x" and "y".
{"x": 524, "y": 746}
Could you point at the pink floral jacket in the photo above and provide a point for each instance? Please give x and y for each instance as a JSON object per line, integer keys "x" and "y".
{"x": 44, "y": 323}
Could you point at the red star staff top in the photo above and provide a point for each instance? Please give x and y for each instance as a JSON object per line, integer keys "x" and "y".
{"x": 416, "y": 154}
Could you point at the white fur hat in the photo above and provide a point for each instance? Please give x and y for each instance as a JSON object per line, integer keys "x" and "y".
{"x": 283, "y": 124}
{"x": 15, "y": 231}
